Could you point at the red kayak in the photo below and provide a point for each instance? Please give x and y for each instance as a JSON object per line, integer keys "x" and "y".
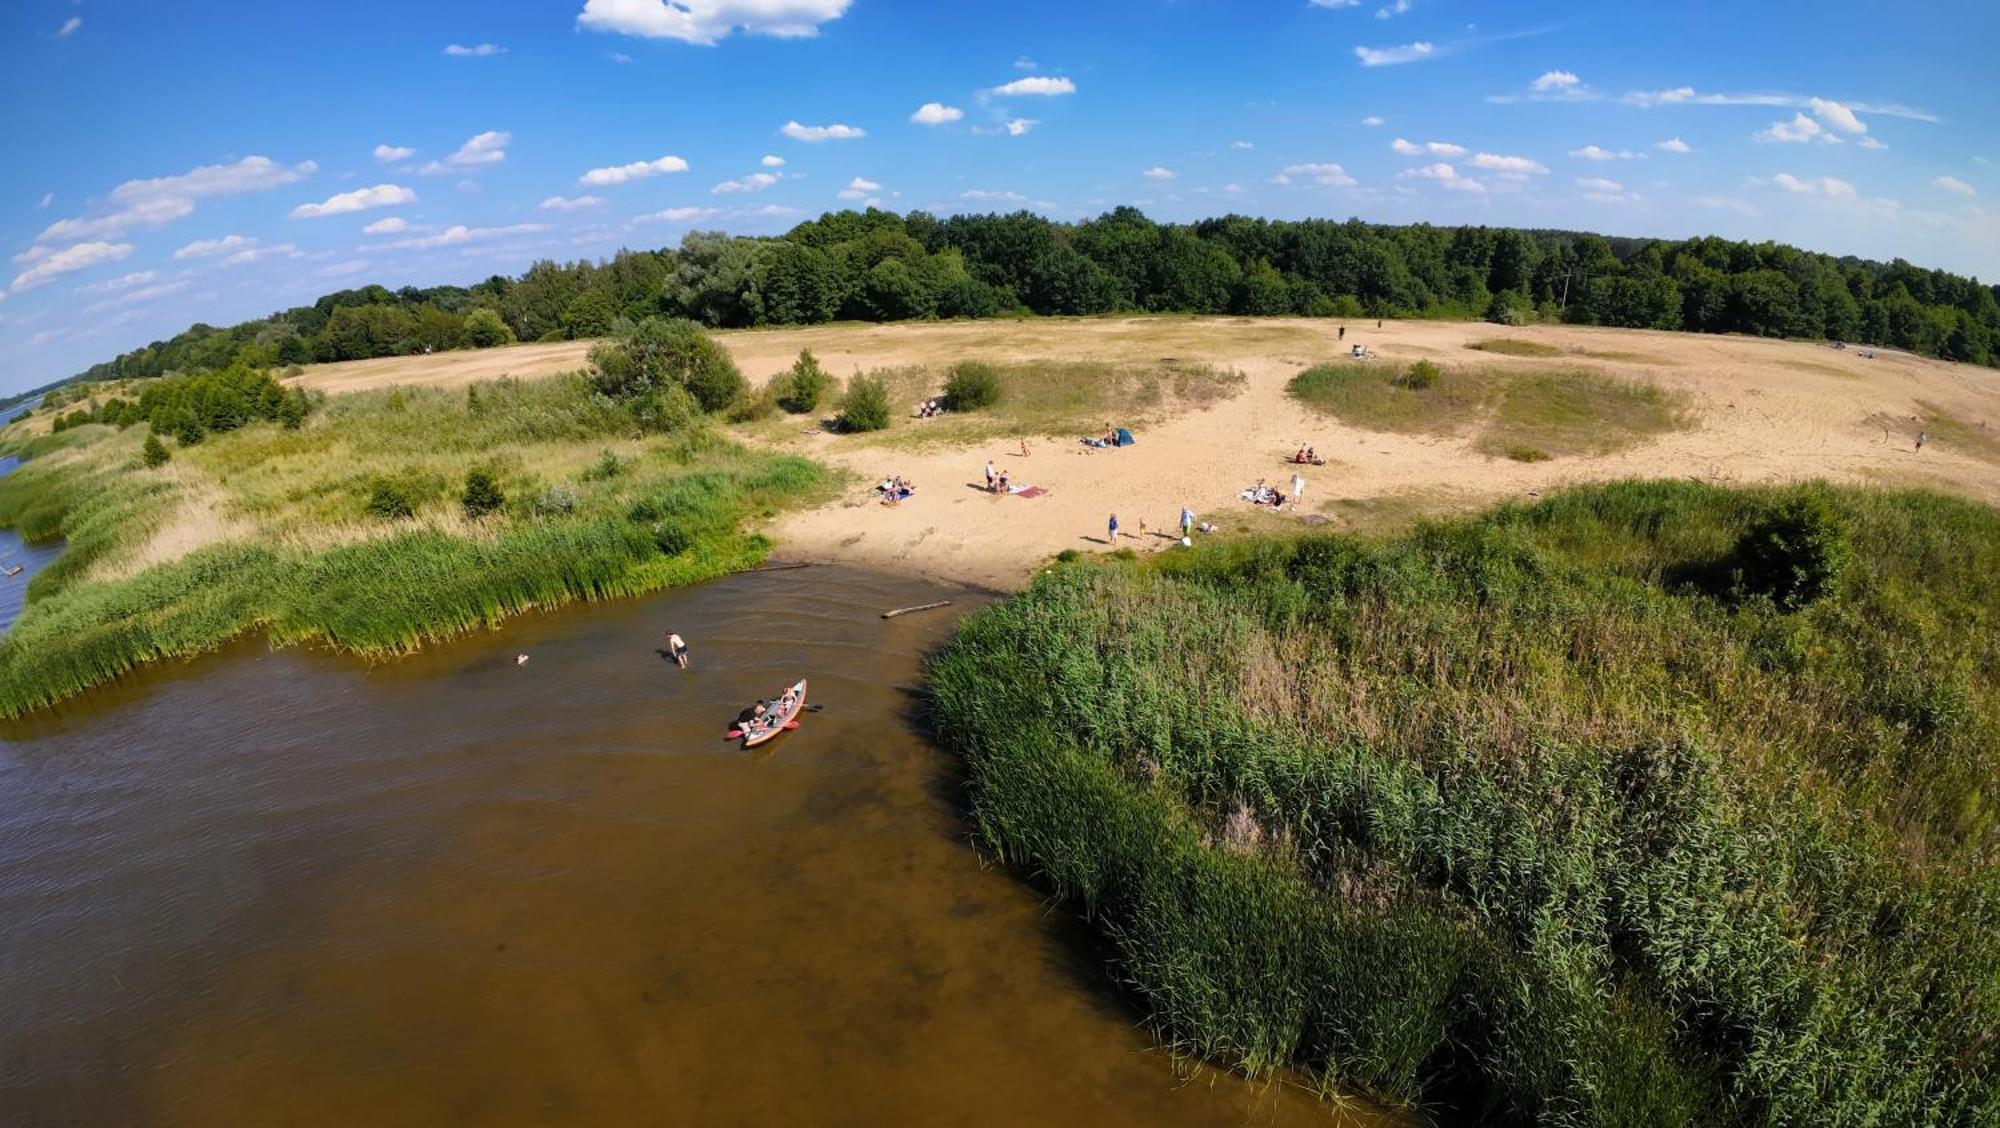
{"x": 754, "y": 733}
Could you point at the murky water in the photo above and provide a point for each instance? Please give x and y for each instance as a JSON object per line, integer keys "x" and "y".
{"x": 16, "y": 553}
{"x": 284, "y": 888}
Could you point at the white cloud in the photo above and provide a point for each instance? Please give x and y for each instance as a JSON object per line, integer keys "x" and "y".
{"x": 1954, "y": 184}
{"x": 1519, "y": 166}
{"x": 161, "y": 200}
{"x": 390, "y": 154}
{"x": 771, "y": 161}
{"x": 1018, "y": 127}
{"x": 1648, "y": 99}
{"x": 755, "y": 182}
{"x": 626, "y": 173}
{"x": 143, "y": 213}
{"x": 936, "y": 113}
{"x": 1869, "y": 143}
{"x": 1158, "y": 173}
{"x": 205, "y": 248}
{"x": 253, "y": 254}
{"x": 389, "y": 225}
{"x": 571, "y": 203}
{"x": 137, "y": 297}
{"x": 683, "y": 215}
{"x": 487, "y": 148}
{"x": 1554, "y": 80}
{"x": 453, "y": 236}
{"x": 343, "y": 269}
{"x": 619, "y": 57}
{"x": 1835, "y": 115}
{"x": 1336, "y": 3}
{"x": 1674, "y": 145}
{"x": 708, "y": 22}
{"x": 1391, "y": 56}
{"x": 1599, "y": 184}
{"x": 1428, "y": 148}
{"x": 361, "y": 199}
{"x": 1797, "y": 131}
{"x": 69, "y": 260}
{"x": 1371, "y": 120}
{"x": 1830, "y": 187}
{"x": 1597, "y": 153}
{"x": 1445, "y": 175}
{"x": 981, "y": 195}
{"x": 1241, "y": 145}
{"x": 481, "y": 51}
{"x": 1025, "y": 63}
{"x": 834, "y": 132}
{"x": 50, "y": 198}
{"x": 1325, "y": 175}
{"x": 1037, "y": 85}
{"x": 122, "y": 282}
{"x": 696, "y": 215}
{"x": 69, "y": 27}
{"x": 1393, "y": 9}
{"x": 858, "y": 188}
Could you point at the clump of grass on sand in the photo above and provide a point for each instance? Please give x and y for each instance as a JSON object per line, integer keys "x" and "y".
{"x": 1540, "y": 816}
{"x": 268, "y": 528}
{"x": 1949, "y": 432}
{"x": 1514, "y": 346}
{"x": 1555, "y": 413}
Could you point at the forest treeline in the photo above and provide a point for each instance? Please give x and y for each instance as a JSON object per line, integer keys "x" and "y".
{"x": 880, "y": 266}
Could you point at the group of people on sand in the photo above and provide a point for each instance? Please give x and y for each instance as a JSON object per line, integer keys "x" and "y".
{"x": 996, "y": 480}
{"x": 930, "y": 408}
{"x": 1264, "y": 493}
{"x": 1307, "y": 456}
{"x": 895, "y": 489}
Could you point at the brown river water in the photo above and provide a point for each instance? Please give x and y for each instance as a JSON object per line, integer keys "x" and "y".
{"x": 288, "y": 888}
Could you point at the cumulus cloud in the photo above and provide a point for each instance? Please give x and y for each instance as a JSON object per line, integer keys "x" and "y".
{"x": 1038, "y": 85}
{"x": 1518, "y": 166}
{"x": 1018, "y": 127}
{"x": 1827, "y": 186}
{"x": 571, "y": 203}
{"x": 1158, "y": 173}
{"x": 343, "y": 269}
{"x": 1393, "y": 9}
{"x": 1599, "y": 184}
{"x": 480, "y": 51}
{"x": 388, "y": 225}
{"x": 1598, "y": 153}
{"x": 984, "y": 196}
{"x": 1646, "y": 99}
{"x": 361, "y": 199}
{"x": 1393, "y": 56}
{"x": 69, "y": 260}
{"x": 708, "y": 22}
{"x": 1025, "y": 63}
{"x": 637, "y": 170}
{"x": 206, "y": 248}
{"x": 1954, "y": 184}
{"x": 1555, "y": 80}
{"x": 1241, "y": 145}
{"x": 1835, "y": 115}
{"x": 254, "y": 254}
{"x": 130, "y": 297}
{"x": 161, "y": 200}
{"x": 122, "y": 282}
{"x": 1336, "y": 3}
{"x": 755, "y": 182}
{"x": 1324, "y": 174}
{"x": 1797, "y": 131}
{"x": 771, "y": 161}
{"x": 1674, "y": 145}
{"x": 488, "y": 148}
{"x": 138, "y": 214}
{"x": 458, "y": 234}
{"x": 1371, "y": 120}
{"x": 814, "y": 133}
{"x": 859, "y": 188}
{"x": 1428, "y": 148}
{"x": 1869, "y": 143}
{"x": 936, "y": 113}
{"x": 698, "y": 215}
{"x": 1445, "y": 175}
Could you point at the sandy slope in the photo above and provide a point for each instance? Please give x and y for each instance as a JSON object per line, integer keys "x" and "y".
{"x": 1765, "y": 411}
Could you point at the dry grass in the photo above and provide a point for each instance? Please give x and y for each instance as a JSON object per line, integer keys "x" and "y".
{"x": 1975, "y": 438}
{"x": 1514, "y": 346}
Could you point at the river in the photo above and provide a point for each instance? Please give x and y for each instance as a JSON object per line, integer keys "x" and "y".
{"x": 285, "y": 887}
{"x": 14, "y": 552}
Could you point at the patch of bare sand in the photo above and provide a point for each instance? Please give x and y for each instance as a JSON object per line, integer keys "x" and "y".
{"x": 1763, "y": 411}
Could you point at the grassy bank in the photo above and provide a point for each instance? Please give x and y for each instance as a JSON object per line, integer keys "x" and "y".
{"x": 288, "y": 531}
{"x": 1527, "y": 416}
{"x": 1544, "y": 815}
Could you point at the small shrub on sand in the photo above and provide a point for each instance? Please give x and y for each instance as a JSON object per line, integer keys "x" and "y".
{"x": 482, "y": 493}
{"x": 390, "y": 500}
{"x": 1422, "y": 376}
{"x": 154, "y": 453}
{"x": 1521, "y": 452}
{"x": 865, "y": 407}
{"x": 971, "y": 386}
{"x": 802, "y": 388}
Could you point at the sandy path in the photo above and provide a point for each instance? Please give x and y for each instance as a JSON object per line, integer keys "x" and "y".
{"x": 1765, "y": 411}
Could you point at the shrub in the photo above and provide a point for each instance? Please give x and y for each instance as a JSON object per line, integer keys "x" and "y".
{"x": 1521, "y": 452}
{"x": 751, "y": 406}
{"x": 607, "y": 467}
{"x": 558, "y": 500}
{"x": 485, "y": 329}
{"x": 390, "y": 500}
{"x": 865, "y": 407}
{"x": 154, "y": 453}
{"x": 1795, "y": 553}
{"x": 804, "y": 387}
{"x": 1421, "y": 376}
{"x": 660, "y": 352}
{"x": 1510, "y": 307}
{"x": 971, "y": 386}
{"x": 482, "y": 494}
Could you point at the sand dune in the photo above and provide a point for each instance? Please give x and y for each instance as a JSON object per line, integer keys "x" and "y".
{"x": 1762, "y": 411}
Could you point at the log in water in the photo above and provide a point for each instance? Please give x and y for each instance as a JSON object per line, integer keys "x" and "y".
{"x": 280, "y": 887}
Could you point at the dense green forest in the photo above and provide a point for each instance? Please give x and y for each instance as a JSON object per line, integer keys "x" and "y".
{"x": 879, "y": 266}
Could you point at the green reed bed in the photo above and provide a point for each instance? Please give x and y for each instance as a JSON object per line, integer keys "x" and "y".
{"x": 1543, "y": 816}
{"x": 268, "y": 529}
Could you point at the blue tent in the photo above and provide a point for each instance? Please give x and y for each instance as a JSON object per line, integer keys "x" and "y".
{"x": 1125, "y": 437}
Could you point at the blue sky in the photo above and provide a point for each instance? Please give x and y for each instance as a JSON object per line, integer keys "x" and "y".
{"x": 215, "y": 161}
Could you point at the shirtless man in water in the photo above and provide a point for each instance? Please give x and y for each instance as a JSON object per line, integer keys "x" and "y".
{"x": 678, "y": 649}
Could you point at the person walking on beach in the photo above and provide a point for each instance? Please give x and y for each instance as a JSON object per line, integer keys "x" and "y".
{"x": 1187, "y": 522}
{"x": 677, "y": 648}
{"x": 1298, "y": 488}
{"x": 1343, "y": 334}
{"x": 1922, "y": 438}
{"x": 1114, "y": 528}
{"x": 989, "y": 475}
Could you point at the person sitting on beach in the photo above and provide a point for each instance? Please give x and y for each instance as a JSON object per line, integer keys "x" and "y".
{"x": 1000, "y": 482}
{"x": 1313, "y": 458}
{"x": 1300, "y": 456}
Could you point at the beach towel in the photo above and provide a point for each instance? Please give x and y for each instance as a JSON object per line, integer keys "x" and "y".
{"x": 1026, "y": 491}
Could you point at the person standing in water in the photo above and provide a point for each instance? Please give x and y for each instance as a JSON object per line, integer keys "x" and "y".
{"x": 677, "y": 648}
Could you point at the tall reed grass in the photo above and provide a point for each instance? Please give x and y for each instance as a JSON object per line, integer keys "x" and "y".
{"x": 1524, "y": 815}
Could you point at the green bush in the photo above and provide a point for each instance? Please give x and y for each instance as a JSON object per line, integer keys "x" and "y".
{"x": 482, "y": 494}
{"x": 154, "y": 453}
{"x": 390, "y": 500}
{"x": 804, "y": 387}
{"x": 1795, "y": 554}
{"x": 485, "y": 329}
{"x": 607, "y": 467}
{"x": 753, "y": 405}
{"x": 556, "y": 501}
{"x": 971, "y": 386}
{"x": 865, "y": 407}
{"x": 660, "y": 352}
{"x": 1421, "y": 376}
